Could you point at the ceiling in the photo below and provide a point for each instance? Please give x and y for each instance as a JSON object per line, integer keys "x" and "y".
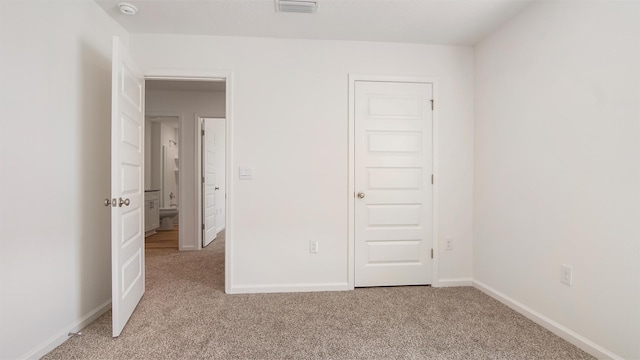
{"x": 446, "y": 22}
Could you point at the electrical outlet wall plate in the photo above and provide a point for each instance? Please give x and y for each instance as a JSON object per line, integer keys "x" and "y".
{"x": 566, "y": 274}
{"x": 448, "y": 243}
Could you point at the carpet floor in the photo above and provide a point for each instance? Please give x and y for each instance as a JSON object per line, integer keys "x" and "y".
{"x": 185, "y": 314}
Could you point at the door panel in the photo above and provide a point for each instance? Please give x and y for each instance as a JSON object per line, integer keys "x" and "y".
{"x": 219, "y": 126}
{"x": 209, "y": 186}
{"x": 127, "y": 214}
{"x": 393, "y": 164}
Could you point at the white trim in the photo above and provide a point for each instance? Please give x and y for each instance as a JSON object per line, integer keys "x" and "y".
{"x": 63, "y": 335}
{"x": 351, "y": 232}
{"x": 208, "y": 75}
{"x": 186, "y": 74}
{"x": 435, "y": 279}
{"x": 198, "y": 180}
{"x": 352, "y": 78}
{"x": 288, "y": 288}
{"x": 560, "y": 330}
{"x": 455, "y": 282}
{"x": 228, "y": 268}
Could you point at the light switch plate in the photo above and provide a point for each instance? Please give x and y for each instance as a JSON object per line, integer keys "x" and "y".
{"x": 245, "y": 173}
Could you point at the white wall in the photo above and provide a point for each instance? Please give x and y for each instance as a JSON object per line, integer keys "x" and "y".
{"x": 290, "y": 125}
{"x": 188, "y": 105}
{"x": 557, "y": 172}
{"x": 55, "y": 90}
{"x": 185, "y": 103}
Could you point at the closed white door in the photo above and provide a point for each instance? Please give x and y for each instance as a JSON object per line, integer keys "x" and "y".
{"x": 127, "y": 214}
{"x": 209, "y": 182}
{"x": 393, "y": 172}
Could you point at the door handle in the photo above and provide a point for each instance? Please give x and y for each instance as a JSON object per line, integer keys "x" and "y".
{"x": 216, "y": 188}
{"x": 125, "y": 202}
{"x": 360, "y": 195}
{"x": 111, "y": 202}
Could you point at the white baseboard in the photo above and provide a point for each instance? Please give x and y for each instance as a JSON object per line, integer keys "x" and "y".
{"x": 56, "y": 340}
{"x": 284, "y": 288}
{"x": 453, "y": 282}
{"x": 562, "y": 331}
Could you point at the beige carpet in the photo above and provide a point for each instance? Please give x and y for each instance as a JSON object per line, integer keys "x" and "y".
{"x": 185, "y": 314}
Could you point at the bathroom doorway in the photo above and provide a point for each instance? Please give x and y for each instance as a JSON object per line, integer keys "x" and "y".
{"x": 161, "y": 180}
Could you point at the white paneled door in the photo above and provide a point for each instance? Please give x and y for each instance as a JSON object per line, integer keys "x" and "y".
{"x": 127, "y": 218}
{"x": 209, "y": 188}
{"x": 393, "y": 172}
{"x": 221, "y": 163}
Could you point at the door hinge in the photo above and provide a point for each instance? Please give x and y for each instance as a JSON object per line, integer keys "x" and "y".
{"x": 203, "y": 229}
{"x": 432, "y": 104}
{"x": 203, "y": 179}
{"x": 432, "y": 253}
{"x": 432, "y": 179}
{"x": 202, "y": 132}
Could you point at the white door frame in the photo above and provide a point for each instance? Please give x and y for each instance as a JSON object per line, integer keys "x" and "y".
{"x": 203, "y": 75}
{"x": 351, "y": 194}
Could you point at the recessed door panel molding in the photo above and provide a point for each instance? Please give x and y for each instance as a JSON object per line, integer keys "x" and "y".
{"x": 395, "y": 178}
{"x": 130, "y": 228}
{"x": 131, "y": 174}
{"x": 395, "y": 215}
{"x": 131, "y": 133}
{"x": 131, "y": 273}
{"x": 393, "y": 163}
{"x": 404, "y": 142}
{"x": 131, "y": 89}
{"x": 394, "y": 107}
{"x": 394, "y": 252}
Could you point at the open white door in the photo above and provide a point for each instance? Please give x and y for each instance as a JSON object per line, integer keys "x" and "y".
{"x": 209, "y": 182}
{"x": 221, "y": 186}
{"x": 127, "y": 218}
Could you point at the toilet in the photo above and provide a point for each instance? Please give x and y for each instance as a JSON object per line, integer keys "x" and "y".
{"x": 166, "y": 217}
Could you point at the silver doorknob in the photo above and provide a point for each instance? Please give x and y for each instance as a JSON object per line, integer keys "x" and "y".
{"x": 125, "y": 202}
{"x": 111, "y": 202}
{"x": 360, "y": 195}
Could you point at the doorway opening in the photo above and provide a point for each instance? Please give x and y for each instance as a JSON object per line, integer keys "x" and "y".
{"x": 174, "y": 108}
{"x": 161, "y": 168}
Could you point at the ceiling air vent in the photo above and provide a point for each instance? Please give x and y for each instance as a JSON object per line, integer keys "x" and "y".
{"x": 297, "y": 6}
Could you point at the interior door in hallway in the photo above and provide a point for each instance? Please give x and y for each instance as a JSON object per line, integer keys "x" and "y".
{"x": 209, "y": 187}
{"x": 127, "y": 217}
{"x": 393, "y": 172}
